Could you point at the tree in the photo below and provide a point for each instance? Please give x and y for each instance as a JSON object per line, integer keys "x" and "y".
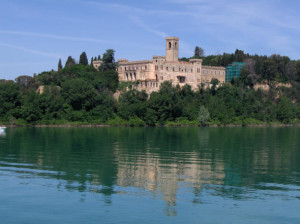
{"x": 245, "y": 79}
{"x": 10, "y": 99}
{"x": 106, "y": 80}
{"x": 203, "y": 116}
{"x": 99, "y": 58}
{"x": 239, "y": 55}
{"x": 59, "y": 67}
{"x": 79, "y": 94}
{"x": 132, "y": 103}
{"x": 108, "y": 61}
{"x": 214, "y": 83}
{"x": 83, "y": 59}
{"x": 199, "y": 52}
{"x": 70, "y": 62}
{"x": 284, "y": 110}
{"x": 269, "y": 70}
{"x": 26, "y": 83}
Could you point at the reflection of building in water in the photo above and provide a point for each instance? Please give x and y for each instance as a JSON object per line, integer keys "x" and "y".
{"x": 164, "y": 178}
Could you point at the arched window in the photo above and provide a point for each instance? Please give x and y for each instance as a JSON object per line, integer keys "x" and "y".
{"x": 175, "y": 44}
{"x": 156, "y": 78}
{"x": 170, "y": 45}
{"x": 134, "y": 76}
{"x": 127, "y": 76}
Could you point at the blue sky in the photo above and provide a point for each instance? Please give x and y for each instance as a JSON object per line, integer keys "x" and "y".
{"x": 34, "y": 34}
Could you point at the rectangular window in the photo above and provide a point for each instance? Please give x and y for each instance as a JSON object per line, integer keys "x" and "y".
{"x": 181, "y": 79}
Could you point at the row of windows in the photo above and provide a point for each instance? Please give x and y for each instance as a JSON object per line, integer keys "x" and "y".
{"x": 142, "y": 67}
{"x": 179, "y": 69}
{"x": 130, "y": 77}
{"x": 150, "y": 84}
{"x": 213, "y": 72}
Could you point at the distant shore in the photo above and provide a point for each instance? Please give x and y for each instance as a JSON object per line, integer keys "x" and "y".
{"x": 122, "y": 125}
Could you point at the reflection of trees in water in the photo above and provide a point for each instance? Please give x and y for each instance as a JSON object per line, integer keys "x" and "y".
{"x": 160, "y": 160}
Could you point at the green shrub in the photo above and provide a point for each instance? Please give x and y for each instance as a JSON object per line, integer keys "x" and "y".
{"x": 117, "y": 121}
{"x": 135, "y": 121}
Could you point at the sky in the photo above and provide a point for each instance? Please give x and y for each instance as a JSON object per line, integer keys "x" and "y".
{"x": 35, "y": 34}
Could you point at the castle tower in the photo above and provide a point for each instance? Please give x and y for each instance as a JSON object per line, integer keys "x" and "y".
{"x": 172, "y": 45}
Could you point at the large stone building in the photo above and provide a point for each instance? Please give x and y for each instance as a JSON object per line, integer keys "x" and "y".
{"x": 149, "y": 74}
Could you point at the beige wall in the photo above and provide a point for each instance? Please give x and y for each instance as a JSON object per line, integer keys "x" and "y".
{"x": 211, "y": 72}
{"x": 133, "y": 71}
{"x": 97, "y": 64}
{"x": 151, "y": 73}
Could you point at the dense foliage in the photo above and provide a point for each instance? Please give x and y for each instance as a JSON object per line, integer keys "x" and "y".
{"x": 78, "y": 93}
{"x": 271, "y": 69}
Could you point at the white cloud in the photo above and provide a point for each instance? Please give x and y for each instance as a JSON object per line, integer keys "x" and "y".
{"x": 143, "y": 25}
{"x": 53, "y": 36}
{"x": 40, "y": 53}
{"x": 135, "y": 10}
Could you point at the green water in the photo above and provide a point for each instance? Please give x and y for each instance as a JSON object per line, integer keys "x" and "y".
{"x": 150, "y": 175}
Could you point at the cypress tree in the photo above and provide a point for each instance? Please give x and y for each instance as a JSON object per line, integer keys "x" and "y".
{"x": 70, "y": 61}
{"x": 99, "y": 58}
{"x": 83, "y": 59}
{"x": 59, "y": 65}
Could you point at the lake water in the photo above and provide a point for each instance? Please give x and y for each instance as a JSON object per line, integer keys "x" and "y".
{"x": 150, "y": 175}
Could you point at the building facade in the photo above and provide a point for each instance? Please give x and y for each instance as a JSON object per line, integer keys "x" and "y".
{"x": 149, "y": 74}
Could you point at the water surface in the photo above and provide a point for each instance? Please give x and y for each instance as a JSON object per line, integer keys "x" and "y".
{"x": 150, "y": 175}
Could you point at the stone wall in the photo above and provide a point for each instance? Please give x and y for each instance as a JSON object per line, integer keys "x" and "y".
{"x": 151, "y": 73}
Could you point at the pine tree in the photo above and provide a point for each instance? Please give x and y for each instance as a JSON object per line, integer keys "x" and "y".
{"x": 83, "y": 59}
{"x": 199, "y": 52}
{"x": 99, "y": 58}
{"x": 108, "y": 61}
{"x": 59, "y": 65}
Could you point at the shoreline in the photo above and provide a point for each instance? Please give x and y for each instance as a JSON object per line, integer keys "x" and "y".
{"x": 108, "y": 125}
